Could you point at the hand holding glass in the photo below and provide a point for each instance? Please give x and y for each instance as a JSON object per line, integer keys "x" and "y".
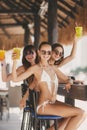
{"x": 79, "y": 31}
{"x": 17, "y": 51}
{"x": 2, "y": 55}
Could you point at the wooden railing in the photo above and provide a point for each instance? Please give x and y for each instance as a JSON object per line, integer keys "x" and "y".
{"x": 76, "y": 92}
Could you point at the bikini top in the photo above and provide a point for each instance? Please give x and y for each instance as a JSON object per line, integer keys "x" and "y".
{"x": 46, "y": 78}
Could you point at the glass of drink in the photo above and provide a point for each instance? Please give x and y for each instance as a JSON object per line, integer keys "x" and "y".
{"x": 79, "y": 31}
{"x": 17, "y": 51}
{"x": 2, "y": 55}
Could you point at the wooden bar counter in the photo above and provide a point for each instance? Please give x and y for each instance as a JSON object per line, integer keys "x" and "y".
{"x": 76, "y": 92}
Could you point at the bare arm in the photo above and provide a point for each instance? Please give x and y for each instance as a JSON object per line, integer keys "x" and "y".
{"x": 71, "y": 56}
{"x": 64, "y": 79}
{"x": 5, "y": 77}
{"x": 26, "y": 74}
{"x": 8, "y": 77}
{"x": 61, "y": 76}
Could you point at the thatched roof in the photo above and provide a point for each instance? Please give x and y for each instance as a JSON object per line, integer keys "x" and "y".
{"x": 16, "y": 14}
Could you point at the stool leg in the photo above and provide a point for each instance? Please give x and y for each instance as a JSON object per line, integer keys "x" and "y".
{"x": 43, "y": 124}
{"x": 25, "y": 121}
{"x": 31, "y": 123}
{"x": 35, "y": 123}
{"x": 56, "y": 124}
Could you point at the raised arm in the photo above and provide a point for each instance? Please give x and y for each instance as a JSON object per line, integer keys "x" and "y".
{"x": 71, "y": 56}
{"x": 26, "y": 74}
{"x": 8, "y": 77}
{"x": 5, "y": 77}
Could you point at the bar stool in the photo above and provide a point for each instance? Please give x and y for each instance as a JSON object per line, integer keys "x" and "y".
{"x": 26, "y": 110}
{"x": 25, "y": 125}
{"x": 42, "y": 118}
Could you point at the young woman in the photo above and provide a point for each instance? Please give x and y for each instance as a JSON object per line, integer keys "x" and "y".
{"x": 57, "y": 57}
{"x": 47, "y": 78}
{"x": 29, "y": 59}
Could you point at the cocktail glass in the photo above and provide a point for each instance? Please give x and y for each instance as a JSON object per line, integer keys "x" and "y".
{"x": 17, "y": 51}
{"x": 79, "y": 31}
{"x": 2, "y": 55}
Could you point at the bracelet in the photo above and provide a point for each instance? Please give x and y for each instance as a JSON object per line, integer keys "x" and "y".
{"x": 70, "y": 80}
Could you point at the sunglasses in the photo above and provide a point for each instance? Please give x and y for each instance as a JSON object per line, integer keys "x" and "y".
{"x": 58, "y": 53}
{"x": 29, "y": 53}
{"x": 43, "y": 52}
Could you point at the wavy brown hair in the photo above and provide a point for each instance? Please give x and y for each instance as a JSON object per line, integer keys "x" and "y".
{"x": 28, "y": 48}
{"x": 54, "y": 46}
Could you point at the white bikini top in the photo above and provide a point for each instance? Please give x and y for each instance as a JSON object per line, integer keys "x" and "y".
{"x": 46, "y": 78}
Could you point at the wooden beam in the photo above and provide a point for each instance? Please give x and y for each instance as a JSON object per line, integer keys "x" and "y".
{"x": 5, "y": 32}
{"x": 17, "y": 11}
{"x": 15, "y": 8}
{"x": 63, "y": 19}
{"x": 43, "y": 26}
{"x": 61, "y": 24}
{"x": 7, "y": 25}
{"x": 72, "y": 8}
{"x": 69, "y": 13}
{"x": 79, "y": 2}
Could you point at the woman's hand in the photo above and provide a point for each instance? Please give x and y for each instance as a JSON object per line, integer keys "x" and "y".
{"x": 14, "y": 56}
{"x": 67, "y": 87}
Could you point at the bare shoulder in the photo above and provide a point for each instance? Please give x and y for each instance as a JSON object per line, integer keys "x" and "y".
{"x": 21, "y": 68}
{"x": 34, "y": 68}
{"x": 56, "y": 69}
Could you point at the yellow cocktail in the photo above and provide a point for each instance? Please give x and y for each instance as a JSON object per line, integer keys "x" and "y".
{"x": 79, "y": 31}
{"x": 17, "y": 51}
{"x": 2, "y": 55}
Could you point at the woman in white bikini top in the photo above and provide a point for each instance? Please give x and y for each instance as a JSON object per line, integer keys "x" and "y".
{"x": 48, "y": 84}
{"x": 52, "y": 85}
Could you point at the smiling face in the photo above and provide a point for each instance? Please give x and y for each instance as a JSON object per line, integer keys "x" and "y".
{"x": 57, "y": 53}
{"x": 30, "y": 56}
{"x": 45, "y": 52}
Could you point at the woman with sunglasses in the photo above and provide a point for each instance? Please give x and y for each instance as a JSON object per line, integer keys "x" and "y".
{"x": 57, "y": 57}
{"x": 29, "y": 59}
{"x": 47, "y": 77}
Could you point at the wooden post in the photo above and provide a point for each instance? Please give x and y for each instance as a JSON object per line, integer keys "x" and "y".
{"x": 52, "y": 21}
{"x": 26, "y": 35}
{"x": 69, "y": 100}
{"x": 36, "y": 30}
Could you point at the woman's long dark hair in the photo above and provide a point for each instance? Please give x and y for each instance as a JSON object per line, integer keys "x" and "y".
{"x": 54, "y": 46}
{"x": 28, "y": 48}
{"x": 26, "y": 65}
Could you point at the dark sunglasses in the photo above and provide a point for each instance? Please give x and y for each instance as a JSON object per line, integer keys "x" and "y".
{"x": 58, "y": 53}
{"x": 43, "y": 52}
{"x": 29, "y": 53}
